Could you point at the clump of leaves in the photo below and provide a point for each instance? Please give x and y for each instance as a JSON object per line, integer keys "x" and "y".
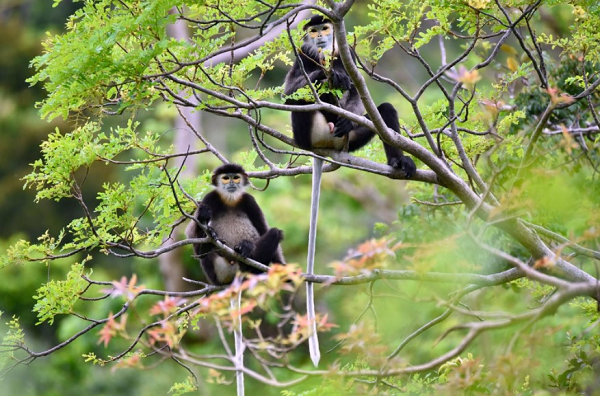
{"x": 370, "y": 255}
{"x": 256, "y": 287}
{"x": 128, "y": 289}
{"x": 302, "y": 328}
{"x": 14, "y": 336}
{"x": 112, "y": 328}
{"x": 565, "y": 81}
{"x": 582, "y": 368}
{"x": 181, "y": 388}
{"x": 59, "y": 297}
{"x": 23, "y": 251}
{"x": 362, "y": 339}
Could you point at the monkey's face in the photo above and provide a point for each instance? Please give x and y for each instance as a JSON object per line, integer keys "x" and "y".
{"x": 320, "y": 36}
{"x": 231, "y": 182}
{"x": 231, "y": 186}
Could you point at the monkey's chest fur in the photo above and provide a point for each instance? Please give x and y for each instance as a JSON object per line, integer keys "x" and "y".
{"x": 232, "y": 227}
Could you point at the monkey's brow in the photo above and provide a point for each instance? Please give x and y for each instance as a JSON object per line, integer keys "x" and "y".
{"x": 231, "y": 175}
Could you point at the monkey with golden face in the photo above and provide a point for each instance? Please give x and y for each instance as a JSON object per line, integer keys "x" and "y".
{"x": 235, "y": 218}
{"x": 319, "y": 129}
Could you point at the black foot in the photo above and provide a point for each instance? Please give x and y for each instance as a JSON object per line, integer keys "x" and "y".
{"x": 404, "y": 163}
{"x": 277, "y": 234}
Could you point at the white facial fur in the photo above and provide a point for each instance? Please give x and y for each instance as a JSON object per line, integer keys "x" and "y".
{"x": 321, "y": 36}
{"x": 231, "y": 187}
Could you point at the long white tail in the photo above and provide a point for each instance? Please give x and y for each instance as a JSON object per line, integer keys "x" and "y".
{"x": 313, "y": 339}
{"x": 236, "y": 306}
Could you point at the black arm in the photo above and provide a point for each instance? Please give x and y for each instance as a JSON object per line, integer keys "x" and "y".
{"x": 209, "y": 205}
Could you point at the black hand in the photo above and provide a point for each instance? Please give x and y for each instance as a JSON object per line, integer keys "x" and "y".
{"x": 317, "y": 75}
{"x": 244, "y": 248}
{"x": 213, "y": 234}
{"x": 340, "y": 80}
{"x": 343, "y": 126}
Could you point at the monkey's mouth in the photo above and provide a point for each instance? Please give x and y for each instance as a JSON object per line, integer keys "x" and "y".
{"x": 231, "y": 189}
{"x": 322, "y": 43}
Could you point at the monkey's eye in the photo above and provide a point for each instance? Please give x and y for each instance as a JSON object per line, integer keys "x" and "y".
{"x": 237, "y": 179}
{"x": 313, "y": 30}
{"x": 225, "y": 179}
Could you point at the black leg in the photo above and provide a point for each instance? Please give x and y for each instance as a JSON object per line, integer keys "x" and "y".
{"x": 390, "y": 117}
{"x": 265, "y": 248}
{"x": 395, "y": 157}
{"x": 208, "y": 267}
{"x": 301, "y": 127}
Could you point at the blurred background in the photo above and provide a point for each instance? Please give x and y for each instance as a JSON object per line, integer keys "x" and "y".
{"x": 354, "y": 208}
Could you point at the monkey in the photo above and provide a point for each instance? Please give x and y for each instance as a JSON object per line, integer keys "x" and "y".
{"x": 233, "y": 216}
{"x": 321, "y": 129}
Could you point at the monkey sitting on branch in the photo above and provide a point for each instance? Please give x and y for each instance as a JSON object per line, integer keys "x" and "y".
{"x": 233, "y": 216}
{"x": 322, "y": 129}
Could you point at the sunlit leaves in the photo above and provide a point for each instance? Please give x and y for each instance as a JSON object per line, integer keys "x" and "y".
{"x": 100, "y": 63}
{"x": 391, "y": 23}
{"x": 23, "y": 251}
{"x": 181, "y": 388}
{"x": 120, "y": 209}
{"x": 63, "y": 155}
{"x": 478, "y": 4}
{"x": 59, "y": 297}
{"x": 108, "y": 44}
{"x": 13, "y": 336}
{"x": 509, "y": 120}
{"x": 584, "y": 33}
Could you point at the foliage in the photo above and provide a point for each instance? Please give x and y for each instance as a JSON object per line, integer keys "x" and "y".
{"x": 14, "y": 336}
{"x": 181, "y": 388}
{"x": 491, "y": 265}
{"x": 59, "y": 297}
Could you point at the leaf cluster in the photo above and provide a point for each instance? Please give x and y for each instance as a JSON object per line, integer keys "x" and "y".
{"x": 59, "y": 297}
